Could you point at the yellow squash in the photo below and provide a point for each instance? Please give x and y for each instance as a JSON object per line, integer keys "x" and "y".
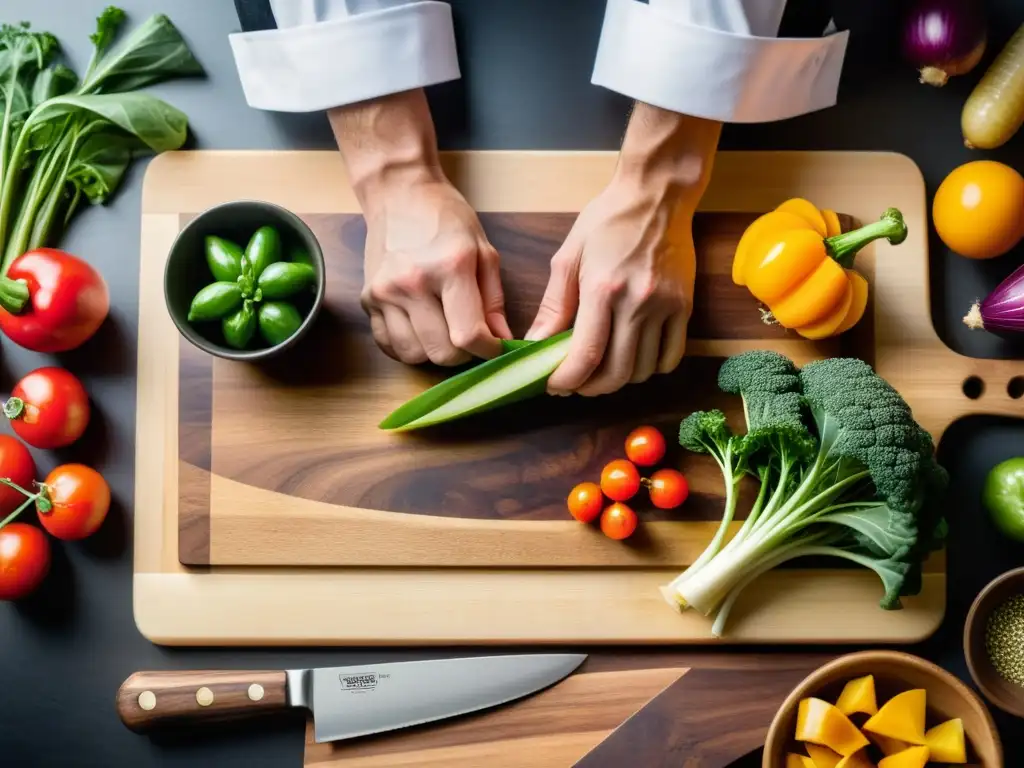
{"x": 820, "y": 722}
{"x": 913, "y": 757}
{"x": 946, "y": 742}
{"x": 886, "y": 745}
{"x": 794, "y": 760}
{"x": 901, "y": 717}
{"x": 796, "y": 261}
{"x": 858, "y": 696}
{"x": 823, "y": 757}
{"x": 856, "y": 760}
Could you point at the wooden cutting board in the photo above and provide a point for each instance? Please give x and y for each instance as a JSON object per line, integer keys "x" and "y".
{"x": 267, "y": 492}
{"x": 643, "y": 709}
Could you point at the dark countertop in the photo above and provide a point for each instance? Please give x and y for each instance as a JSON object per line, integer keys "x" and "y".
{"x": 66, "y": 651}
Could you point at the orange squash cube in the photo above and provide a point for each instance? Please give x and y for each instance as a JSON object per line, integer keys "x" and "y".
{"x": 819, "y": 722}
{"x": 901, "y": 717}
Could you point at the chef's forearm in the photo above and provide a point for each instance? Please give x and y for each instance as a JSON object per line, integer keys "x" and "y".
{"x": 668, "y": 151}
{"x": 386, "y": 141}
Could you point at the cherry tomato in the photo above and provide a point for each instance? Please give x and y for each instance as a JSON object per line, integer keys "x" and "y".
{"x": 645, "y": 446}
{"x": 16, "y": 465}
{"x": 49, "y": 408}
{"x": 24, "y": 559}
{"x": 618, "y": 521}
{"x": 668, "y": 488}
{"x": 74, "y": 502}
{"x": 620, "y": 480}
{"x": 585, "y": 502}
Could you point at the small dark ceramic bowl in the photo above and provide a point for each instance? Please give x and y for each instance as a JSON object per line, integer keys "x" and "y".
{"x": 186, "y": 271}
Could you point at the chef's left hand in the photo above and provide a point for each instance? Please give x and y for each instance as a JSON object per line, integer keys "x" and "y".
{"x": 625, "y": 275}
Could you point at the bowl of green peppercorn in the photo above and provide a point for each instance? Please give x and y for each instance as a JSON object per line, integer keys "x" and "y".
{"x": 994, "y": 641}
{"x": 244, "y": 280}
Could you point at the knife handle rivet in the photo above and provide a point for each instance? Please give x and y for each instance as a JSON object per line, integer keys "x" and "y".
{"x": 204, "y": 697}
{"x": 147, "y": 700}
{"x": 255, "y": 692}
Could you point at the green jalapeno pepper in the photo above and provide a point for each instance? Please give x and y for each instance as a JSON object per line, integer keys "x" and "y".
{"x": 214, "y": 301}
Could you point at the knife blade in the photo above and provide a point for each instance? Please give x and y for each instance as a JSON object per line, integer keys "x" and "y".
{"x": 345, "y": 702}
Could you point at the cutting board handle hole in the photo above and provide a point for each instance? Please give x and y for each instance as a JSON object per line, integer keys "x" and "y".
{"x": 1015, "y": 387}
{"x": 973, "y": 387}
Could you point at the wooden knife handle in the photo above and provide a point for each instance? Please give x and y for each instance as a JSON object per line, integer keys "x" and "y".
{"x": 148, "y": 699}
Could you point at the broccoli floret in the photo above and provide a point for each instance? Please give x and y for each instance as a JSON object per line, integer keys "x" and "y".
{"x": 864, "y": 485}
{"x": 769, "y": 385}
{"x": 705, "y": 432}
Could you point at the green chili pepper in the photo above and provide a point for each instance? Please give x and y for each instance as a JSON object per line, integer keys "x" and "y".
{"x": 239, "y": 327}
{"x": 300, "y": 255}
{"x": 224, "y": 258}
{"x": 215, "y": 301}
{"x": 264, "y": 248}
{"x": 278, "y": 321}
{"x": 284, "y": 278}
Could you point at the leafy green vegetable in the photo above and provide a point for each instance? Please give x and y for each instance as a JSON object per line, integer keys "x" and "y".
{"x": 519, "y": 373}
{"x": 862, "y": 484}
{"x": 61, "y": 139}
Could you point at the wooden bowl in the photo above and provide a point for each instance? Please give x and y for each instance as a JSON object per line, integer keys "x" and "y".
{"x": 1003, "y": 694}
{"x": 894, "y": 672}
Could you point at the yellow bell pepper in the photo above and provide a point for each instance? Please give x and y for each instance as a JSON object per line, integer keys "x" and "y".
{"x": 796, "y": 261}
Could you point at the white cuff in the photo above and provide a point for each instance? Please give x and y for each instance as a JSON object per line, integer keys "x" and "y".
{"x": 658, "y": 59}
{"x": 331, "y": 63}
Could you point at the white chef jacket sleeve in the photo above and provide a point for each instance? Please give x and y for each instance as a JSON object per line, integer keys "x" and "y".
{"x": 327, "y": 53}
{"x": 716, "y": 59}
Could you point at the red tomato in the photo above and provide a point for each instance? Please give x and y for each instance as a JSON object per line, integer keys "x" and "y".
{"x": 48, "y": 408}
{"x": 668, "y": 488}
{"x": 618, "y": 521}
{"x": 24, "y": 559}
{"x": 68, "y": 301}
{"x": 645, "y": 446}
{"x": 620, "y": 480}
{"x": 78, "y": 499}
{"x": 585, "y": 502}
{"x": 16, "y": 465}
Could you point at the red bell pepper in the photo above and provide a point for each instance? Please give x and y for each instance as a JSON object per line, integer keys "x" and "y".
{"x": 51, "y": 301}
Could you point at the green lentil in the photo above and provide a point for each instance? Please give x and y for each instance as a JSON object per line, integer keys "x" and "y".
{"x": 1004, "y": 639}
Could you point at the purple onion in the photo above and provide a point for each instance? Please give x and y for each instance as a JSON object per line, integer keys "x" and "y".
{"x": 944, "y": 38}
{"x": 1003, "y": 309}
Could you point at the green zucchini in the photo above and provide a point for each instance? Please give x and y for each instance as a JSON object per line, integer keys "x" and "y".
{"x": 517, "y": 374}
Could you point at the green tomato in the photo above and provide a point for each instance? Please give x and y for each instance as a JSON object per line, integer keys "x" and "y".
{"x": 1003, "y": 497}
{"x": 264, "y": 248}
{"x": 278, "y": 320}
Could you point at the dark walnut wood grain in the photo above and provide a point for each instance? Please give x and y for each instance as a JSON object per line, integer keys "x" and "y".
{"x": 305, "y": 425}
{"x": 152, "y": 699}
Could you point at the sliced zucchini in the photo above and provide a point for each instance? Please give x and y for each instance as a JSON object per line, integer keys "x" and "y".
{"x": 515, "y": 375}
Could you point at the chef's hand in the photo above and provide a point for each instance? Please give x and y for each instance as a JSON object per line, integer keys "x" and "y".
{"x": 432, "y": 287}
{"x": 623, "y": 278}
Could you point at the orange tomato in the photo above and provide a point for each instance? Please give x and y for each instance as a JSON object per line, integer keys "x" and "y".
{"x": 618, "y": 521}
{"x": 585, "y": 502}
{"x": 645, "y": 446}
{"x": 978, "y": 210}
{"x": 620, "y": 480}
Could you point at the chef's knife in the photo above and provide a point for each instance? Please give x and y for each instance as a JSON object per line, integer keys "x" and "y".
{"x": 345, "y": 701}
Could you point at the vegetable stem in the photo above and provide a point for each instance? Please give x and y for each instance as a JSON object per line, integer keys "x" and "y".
{"x": 14, "y": 295}
{"x": 844, "y": 247}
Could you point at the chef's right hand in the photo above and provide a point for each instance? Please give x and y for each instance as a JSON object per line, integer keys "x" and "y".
{"x": 432, "y": 287}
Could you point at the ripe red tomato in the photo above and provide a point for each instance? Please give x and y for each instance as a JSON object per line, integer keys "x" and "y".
{"x": 585, "y": 502}
{"x": 68, "y": 301}
{"x": 645, "y": 446}
{"x": 620, "y": 480}
{"x": 78, "y": 499}
{"x": 16, "y": 465}
{"x": 24, "y": 559}
{"x": 668, "y": 488}
{"x": 618, "y": 521}
{"x": 49, "y": 408}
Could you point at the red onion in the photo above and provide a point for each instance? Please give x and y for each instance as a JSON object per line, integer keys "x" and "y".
{"x": 1003, "y": 309}
{"x": 943, "y": 38}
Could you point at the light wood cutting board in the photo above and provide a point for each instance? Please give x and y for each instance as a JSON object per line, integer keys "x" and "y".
{"x": 248, "y": 477}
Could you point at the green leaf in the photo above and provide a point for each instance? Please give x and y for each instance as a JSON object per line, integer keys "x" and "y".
{"x": 153, "y": 52}
{"x": 53, "y": 82}
{"x": 156, "y": 123}
{"x": 100, "y": 164}
{"x": 515, "y": 375}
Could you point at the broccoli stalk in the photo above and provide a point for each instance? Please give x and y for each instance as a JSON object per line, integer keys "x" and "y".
{"x": 861, "y": 487}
